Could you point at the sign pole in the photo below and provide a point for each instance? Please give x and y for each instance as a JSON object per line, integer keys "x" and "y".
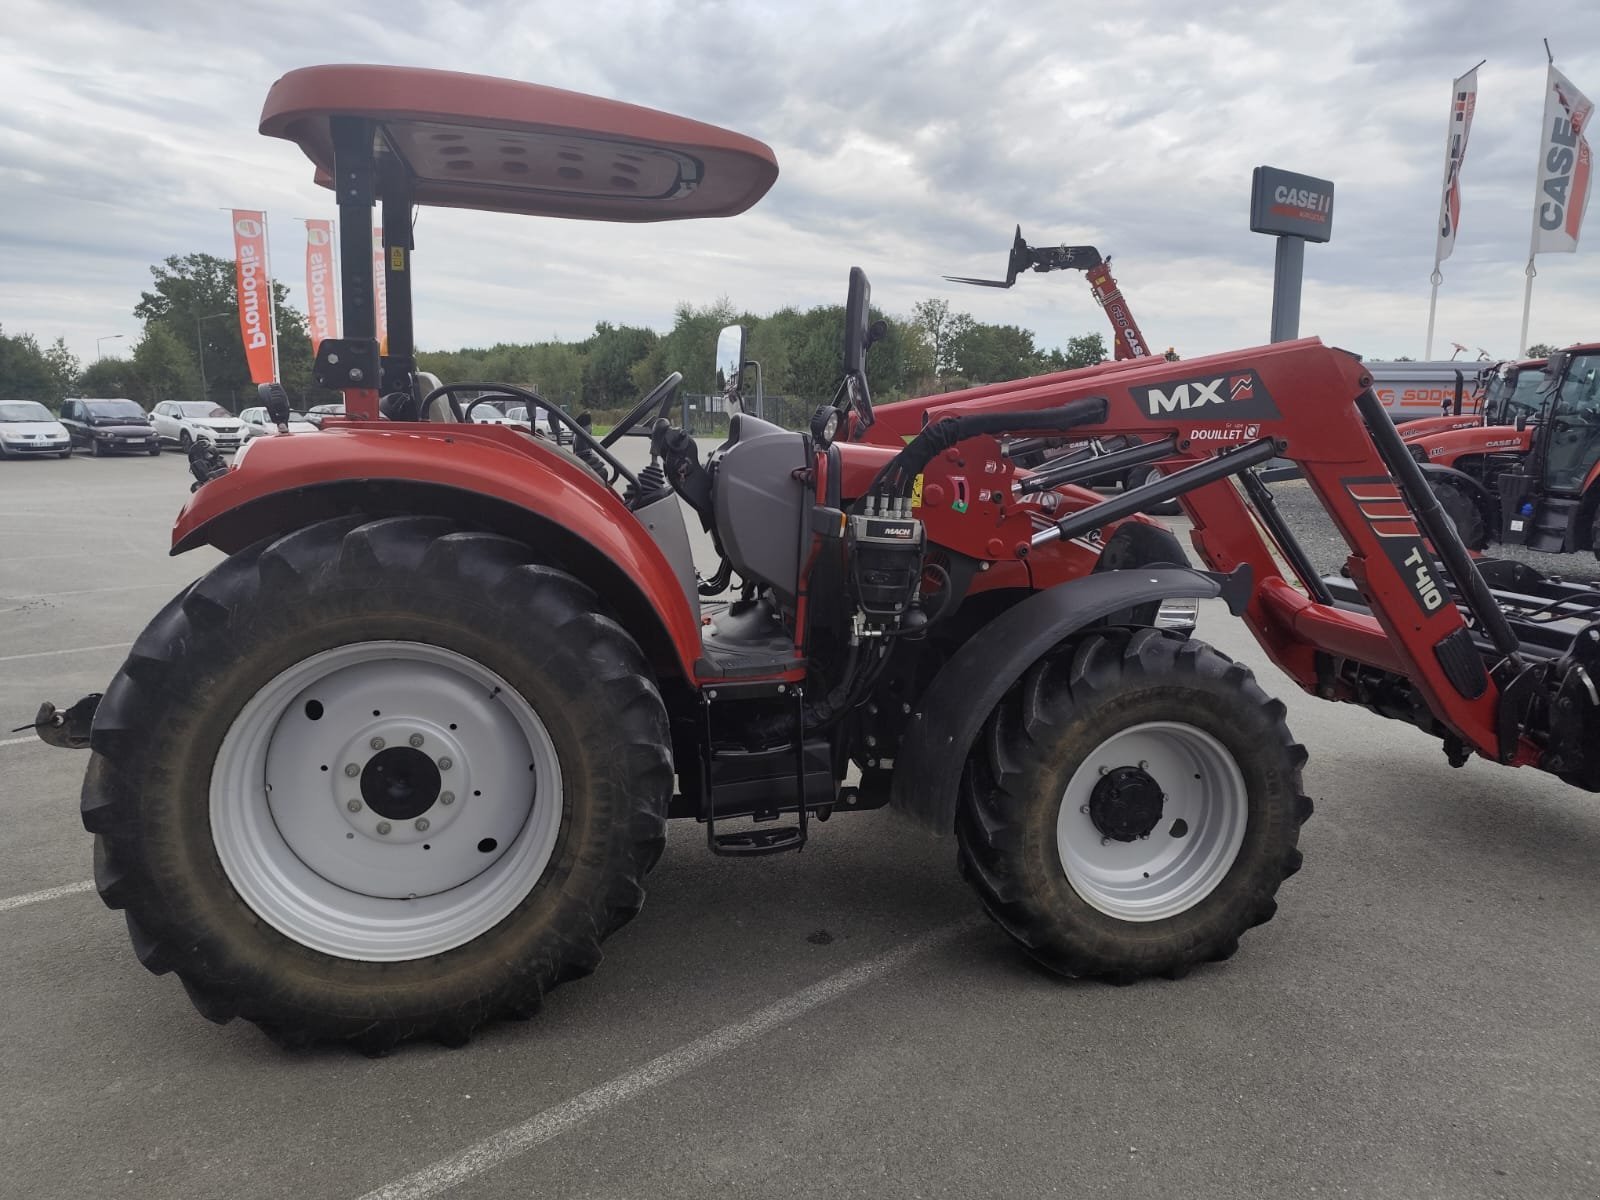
{"x": 1288, "y": 273}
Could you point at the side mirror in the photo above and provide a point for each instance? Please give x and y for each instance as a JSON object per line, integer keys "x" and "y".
{"x": 730, "y": 359}
{"x": 1556, "y": 365}
{"x": 860, "y": 331}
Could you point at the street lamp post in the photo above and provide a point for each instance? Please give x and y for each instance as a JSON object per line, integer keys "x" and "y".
{"x": 98, "y": 354}
{"x": 205, "y": 392}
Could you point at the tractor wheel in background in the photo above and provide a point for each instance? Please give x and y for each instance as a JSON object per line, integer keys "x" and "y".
{"x": 1463, "y": 510}
{"x": 1140, "y": 476}
{"x": 1132, "y": 806}
{"x": 376, "y": 780}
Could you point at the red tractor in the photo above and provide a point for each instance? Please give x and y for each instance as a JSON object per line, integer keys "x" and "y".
{"x": 1528, "y": 474}
{"x": 402, "y": 761}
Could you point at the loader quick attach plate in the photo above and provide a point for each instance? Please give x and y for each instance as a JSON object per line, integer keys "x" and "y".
{"x": 472, "y": 141}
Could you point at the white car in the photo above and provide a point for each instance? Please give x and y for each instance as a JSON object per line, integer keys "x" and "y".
{"x": 181, "y": 423}
{"x": 28, "y": 427}
{"x": 255, "y": 423}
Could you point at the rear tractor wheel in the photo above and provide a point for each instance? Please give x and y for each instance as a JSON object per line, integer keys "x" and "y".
{"x": 1132, "y": 806}
{"x": 1462, "y": 508}
{"x": 376, "y": 780}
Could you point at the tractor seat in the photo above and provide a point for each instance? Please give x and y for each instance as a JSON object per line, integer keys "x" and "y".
{"x": 439, "y": 407}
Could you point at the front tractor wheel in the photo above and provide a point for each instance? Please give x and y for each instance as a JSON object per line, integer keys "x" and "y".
{"x": 1132, "y": 806}
{"x": 377, "y": 780}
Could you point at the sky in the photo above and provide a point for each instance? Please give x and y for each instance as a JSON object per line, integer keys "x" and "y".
{"x": 911, "y": 138}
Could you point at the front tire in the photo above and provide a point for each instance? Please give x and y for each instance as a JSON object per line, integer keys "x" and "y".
{"x": 378, "y": 780}
{"x": 1463, "y": 510}
{"x": 1131, "y": 807}
{"x": 1140, "y": 476}
{"x": 155, "y": 451}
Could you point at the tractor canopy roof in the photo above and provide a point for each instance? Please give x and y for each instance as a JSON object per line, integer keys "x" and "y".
{"x": 474, "y": 141}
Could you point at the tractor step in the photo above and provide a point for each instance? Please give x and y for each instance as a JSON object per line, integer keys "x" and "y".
{"x": 750, "y": 842}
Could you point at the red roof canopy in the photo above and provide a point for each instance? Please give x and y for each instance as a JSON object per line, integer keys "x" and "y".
{"x": 474, "y": 141}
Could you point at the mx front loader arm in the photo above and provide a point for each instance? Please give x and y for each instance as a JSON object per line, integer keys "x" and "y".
{"x": 1312, "y": 405}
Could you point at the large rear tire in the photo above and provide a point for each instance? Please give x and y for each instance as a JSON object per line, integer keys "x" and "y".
{"x": 1131, "y": 807}
{"x": 377, "y": 780}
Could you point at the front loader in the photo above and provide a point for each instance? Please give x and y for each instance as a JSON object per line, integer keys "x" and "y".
{"x": 402, "y": 761}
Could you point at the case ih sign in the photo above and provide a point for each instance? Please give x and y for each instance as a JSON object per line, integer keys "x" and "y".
{"x": 1291, "y": 205}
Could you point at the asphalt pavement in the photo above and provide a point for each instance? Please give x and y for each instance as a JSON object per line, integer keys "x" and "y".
{"x": 1418, "y": 1021}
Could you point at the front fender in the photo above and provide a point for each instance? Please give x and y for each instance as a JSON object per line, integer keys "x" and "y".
{"x": 491, "y": 476}
{"x": 956, "y": 704}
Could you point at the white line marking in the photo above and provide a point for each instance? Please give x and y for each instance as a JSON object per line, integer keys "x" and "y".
{"x": 55, "y": 893}
{"x": 73, "y": 650}
{"x": 123, "y": 587}
{"x": 500, "y": 1147}
{"x": 20, "y": 741}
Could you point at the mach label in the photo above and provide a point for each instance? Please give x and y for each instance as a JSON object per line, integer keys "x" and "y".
{"x": 1231, "y": 397}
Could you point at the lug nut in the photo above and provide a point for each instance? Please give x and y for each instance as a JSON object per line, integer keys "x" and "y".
{"x": 422, "y": 824}
{"x": 1084, "y": 809}
{"x": 416, "y": 739}
{"x": 1105, "y": 841}
{"x": 1143, "y": 765}
{"x": 352, "y": 769}
{"x": 376, "y": 743}
{"x": 384, "y": 827}
{"x": 447, "y": 797}
{"x": 446, "y": 763}
{"x": 353, "y": 805}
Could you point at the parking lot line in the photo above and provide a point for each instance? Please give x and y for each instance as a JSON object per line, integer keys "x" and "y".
{"x": 55, "y": 893}
{"x": 124, "y": 587}
{"x": 71, "y": 650}
{"x": 20, "y": 741}
{"x": 553, "y": 1122}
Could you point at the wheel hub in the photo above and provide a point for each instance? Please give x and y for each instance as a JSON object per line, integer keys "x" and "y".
{"x": 1126, "y": 804}
{"x": 400, "y": 783}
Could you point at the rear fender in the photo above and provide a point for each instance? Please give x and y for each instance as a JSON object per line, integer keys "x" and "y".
{"x": 954, "y": 707}
{"x": 487, "y": 476}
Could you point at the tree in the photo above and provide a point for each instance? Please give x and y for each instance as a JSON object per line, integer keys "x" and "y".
{"x": 110, "y": 377}
{"x": 993, "y": 353}
{"x": 26, "y": 372}
{"x": 164, "y": 368}
{"x": 942, "y": 329}
{"x": 63, "y": 367}
{"x": 1541, "y": 350}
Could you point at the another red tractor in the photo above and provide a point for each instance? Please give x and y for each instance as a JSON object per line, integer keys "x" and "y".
{"x": 401, "y": 762}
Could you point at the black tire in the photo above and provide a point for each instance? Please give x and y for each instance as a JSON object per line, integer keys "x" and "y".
{"x": 1140, "y": 476}
{"x": 184, "y": 441}
{"x": 1015, "y": 783}
{"x": 1463, "y": 509}
{"x": 158, "y": 729}
{"x": 155, "y": 450}
{"x": 97, "y": 448}
{"x": 65, "y": 454}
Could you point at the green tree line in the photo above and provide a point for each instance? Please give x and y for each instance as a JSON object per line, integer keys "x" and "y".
{"x": 190, "y": 347}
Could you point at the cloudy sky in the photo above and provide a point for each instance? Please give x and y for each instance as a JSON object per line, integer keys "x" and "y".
{"x": 911, "y": 137}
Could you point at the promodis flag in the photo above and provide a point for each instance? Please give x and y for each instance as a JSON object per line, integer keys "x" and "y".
{"x": 1463, "y": 101}
{"x": 255, "y": 295}
{"x": 322, "y": 313}
{"x": 1563, "y": 181}
{"x": 380, "y": 296}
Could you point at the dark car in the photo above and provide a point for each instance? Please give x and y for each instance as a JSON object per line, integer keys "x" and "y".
{"x": 109, "y": 426}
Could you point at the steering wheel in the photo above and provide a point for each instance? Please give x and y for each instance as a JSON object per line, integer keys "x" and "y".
{"x": 661, "y": 395}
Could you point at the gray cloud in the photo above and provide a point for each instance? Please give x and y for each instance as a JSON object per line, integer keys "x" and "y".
{"x": 911, "y": 138}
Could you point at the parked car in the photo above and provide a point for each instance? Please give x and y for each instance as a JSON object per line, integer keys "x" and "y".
{"x": 106, "y": 426}
{"x": 182, "y": 423}
{"x": 255, "y": 423}
{"x": 28, "y": 427}
{"x": 318, "y": 411}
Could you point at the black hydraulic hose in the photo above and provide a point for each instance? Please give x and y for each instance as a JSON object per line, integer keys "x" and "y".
{"x": 899, "y": 472}
{"x": 1438, "y": 527}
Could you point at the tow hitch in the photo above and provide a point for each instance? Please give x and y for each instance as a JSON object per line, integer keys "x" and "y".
{"x": 66, "y": 729}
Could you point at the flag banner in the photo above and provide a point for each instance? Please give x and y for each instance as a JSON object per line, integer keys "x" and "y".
{"x": 1463, "y": 100}
{"x": 1563, "y": 189}
{"x": 322, "y": 312}
{"x": 380, "y": 295}
{"x": 255, "y": 294}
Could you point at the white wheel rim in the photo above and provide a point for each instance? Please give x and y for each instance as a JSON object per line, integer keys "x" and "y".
{"x": 307, "y": 848}
{"x": 1192, "y": 847}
